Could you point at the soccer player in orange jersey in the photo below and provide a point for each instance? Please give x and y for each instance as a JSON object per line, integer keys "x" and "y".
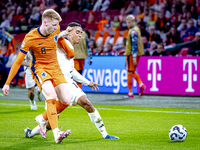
{"x": 134, "y": 49}
{"x": 46, "y": 72}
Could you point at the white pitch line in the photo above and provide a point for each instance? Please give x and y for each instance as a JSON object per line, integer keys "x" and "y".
{"x": 154, "y": 111}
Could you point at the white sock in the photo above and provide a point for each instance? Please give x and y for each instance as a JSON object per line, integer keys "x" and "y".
{"x": 55, "y": 132}
{"x": 130, "y": 93}
{"x": 35, "y": 131}
{"x": 141, "y": 84}
{"x": 96, "y": 119}
{"x": 32, "y": 101}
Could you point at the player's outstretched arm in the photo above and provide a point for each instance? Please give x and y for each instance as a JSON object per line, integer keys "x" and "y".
{"x": 13, "y": 71}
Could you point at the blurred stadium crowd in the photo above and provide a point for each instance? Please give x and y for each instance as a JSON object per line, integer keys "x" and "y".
{"x": 162, "y": 23}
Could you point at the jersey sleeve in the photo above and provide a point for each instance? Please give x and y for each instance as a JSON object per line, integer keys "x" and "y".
{"x": 70, "y": 52}
{"x": 15, "y": 67}
{"x": 134, "y": 38}
{"x": 79, "y": 78}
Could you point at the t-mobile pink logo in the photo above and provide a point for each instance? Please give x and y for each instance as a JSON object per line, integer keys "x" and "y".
{"x": 154, "y": 76}
{"x": 189, "y": 76}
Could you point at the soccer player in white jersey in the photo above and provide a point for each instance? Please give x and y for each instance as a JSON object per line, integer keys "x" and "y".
{"x": 30, "y": 83}
{"x": 77, "y": 95}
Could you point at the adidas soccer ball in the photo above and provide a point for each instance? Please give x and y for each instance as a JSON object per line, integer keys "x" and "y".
{"x": 177, "y": 133}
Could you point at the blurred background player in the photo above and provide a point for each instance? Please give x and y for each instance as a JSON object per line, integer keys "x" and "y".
{"x": 134, "y": 49}
{"x": 82, "y": 51}
{"x": 77, "y": 95}
{"x": 30, "y": 83}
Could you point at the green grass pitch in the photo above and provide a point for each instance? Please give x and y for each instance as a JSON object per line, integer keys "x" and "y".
{"x": 137, "y": 127}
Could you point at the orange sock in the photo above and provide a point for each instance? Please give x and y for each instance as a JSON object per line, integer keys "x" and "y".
{"x": 59, "y": 107}
{"x": 130, "y": 83}
{"x": 137, "y": 78}
{"x": 52, "y": 113}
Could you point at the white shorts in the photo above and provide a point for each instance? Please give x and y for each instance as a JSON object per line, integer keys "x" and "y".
{"x": 75, "y": 92}
{"x": 29, "y": 80}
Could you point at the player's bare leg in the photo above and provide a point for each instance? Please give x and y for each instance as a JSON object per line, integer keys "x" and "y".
{"x": 63, "y": 93}
{"x": 31, "y": 98}
{"x": 94, "y": 116}
{"x": 50, "y": 96}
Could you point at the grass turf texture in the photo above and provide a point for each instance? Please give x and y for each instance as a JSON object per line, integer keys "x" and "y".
{"x": 137, "y": 127}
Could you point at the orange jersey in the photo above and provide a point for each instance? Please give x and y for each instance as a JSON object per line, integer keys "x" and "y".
{"x": 43, "y": 48}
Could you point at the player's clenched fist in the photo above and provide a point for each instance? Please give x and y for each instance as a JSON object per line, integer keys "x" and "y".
{"x": 5, "y": 89}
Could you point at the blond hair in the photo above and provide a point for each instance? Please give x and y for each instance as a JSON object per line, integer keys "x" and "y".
{"x": 52, "y": 14}
{"x": 130, "y": 17}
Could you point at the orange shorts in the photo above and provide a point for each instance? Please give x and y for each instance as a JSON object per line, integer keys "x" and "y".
{"x": 129, "y": 63}
{"x": 79, "y": 64}
{"x": 55, "y": 75}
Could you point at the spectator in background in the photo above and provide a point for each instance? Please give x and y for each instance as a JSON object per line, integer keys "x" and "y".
{"x": 143, "y": 30}
{"x": 157, "y": 6}
{"x": 27, "y": 14}
{"x": 101, "y": 5}
{"x": 146, "y": 43}
{"x": 103, "y": 21}
{"x": 116, "y": 24}
{"x": 152, "y": 15}
{"x": 146, "y": 15}
{"x": 187, "y": 4}
{"x": 178, "y": 5}
{"x": 193, "y": 11}
{"x": 173, "y": 37}
{"x": 5, "y": 22}
{"x": 167, "y": 5}
{"x": 152, "y": 50}
{"x": 153, "y": 36}
{"x": 123, "y": 25}
{"x": 64, "y": 7}
{"x": 161, "y": 50}
{"x": 35, "y": 16}
{"x": 108, "y": 25}
{"x": 195, "y": 50}
{"x": 93, "y": 46}
{"x": 184, "y": 11}
{"x": 99, "y": 51}
{"x": 166, "y": 12}
{"x": 174, "y": 15}
{"x": 110, "y": 51}
{"x": 189, "y": 16}
{"x": 190, "y": 32}
{"x": 122, "y": 14}
{"x": 140, "y": 15}
{"x": 92, "y": 22}
{"x": 162, "y": 24}
{"x": 198, "y": 23}
{"x": 182, "y": 27}
{"x": 131, "y": 9}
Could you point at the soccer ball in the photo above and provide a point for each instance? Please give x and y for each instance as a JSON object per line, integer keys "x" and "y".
{"x": 177, "y": 133}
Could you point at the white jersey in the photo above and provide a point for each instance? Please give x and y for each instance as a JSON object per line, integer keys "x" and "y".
{"x": 67, "y": 66}
{"x": 27, "y": 59}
